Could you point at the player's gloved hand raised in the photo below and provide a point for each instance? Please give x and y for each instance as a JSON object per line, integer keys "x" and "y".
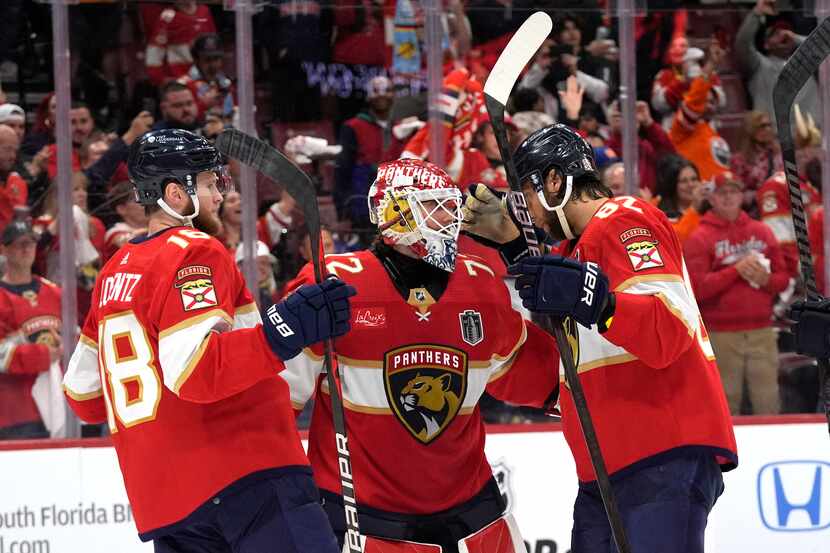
{"x": 312, "y": 313}
{"x": 486, "y": 215}
{"x": 812, "y": 327}
{"x": 559, "y": 286}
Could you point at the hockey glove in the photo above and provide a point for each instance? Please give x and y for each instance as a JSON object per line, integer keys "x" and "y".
{"x": 560, "y": 286}
{"x": 812, "y": 327}
{"x": 313, "y": 313}
{"x": 486, "y": 215}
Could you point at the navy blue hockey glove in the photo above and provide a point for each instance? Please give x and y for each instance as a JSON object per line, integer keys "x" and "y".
{"x": 812, "y": 327}
{"x": 559, "y": 286}
{"x": 313, "y": 313}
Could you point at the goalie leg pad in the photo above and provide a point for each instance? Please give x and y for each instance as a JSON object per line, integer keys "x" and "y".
{"x": 372, "y": 544}
{"x": 500, "y": 536}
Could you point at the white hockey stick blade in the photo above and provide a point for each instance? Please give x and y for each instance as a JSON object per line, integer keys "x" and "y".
{"x": 518, "y": 53}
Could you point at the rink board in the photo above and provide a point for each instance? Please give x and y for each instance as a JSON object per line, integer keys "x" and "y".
{"x": 71, "y": 499}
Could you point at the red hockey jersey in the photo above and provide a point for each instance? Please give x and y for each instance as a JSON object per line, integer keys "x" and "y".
{"x": 413, "y": 372}
{"x": 650, "y": 380}
{"x": 179, "y": 386}
{"x": 773, "y": 198}
{"x": 29, "y": 315}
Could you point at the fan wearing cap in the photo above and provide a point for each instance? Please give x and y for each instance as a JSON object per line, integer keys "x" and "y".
{"x": 672, "y": 82}
{"x": 432, "y": 330}
{"x": 367, "y": 140}
{"x": 206, "y": 78}
{"x": 30, "y": 311}
{"x": 737, "y": 270}
{"x": 14, "y": 116}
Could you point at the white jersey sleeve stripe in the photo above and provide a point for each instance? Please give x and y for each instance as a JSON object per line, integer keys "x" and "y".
{"x": 82, "y": 380}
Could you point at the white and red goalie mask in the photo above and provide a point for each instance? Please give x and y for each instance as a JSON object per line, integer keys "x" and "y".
{"x": 416, "y": 204}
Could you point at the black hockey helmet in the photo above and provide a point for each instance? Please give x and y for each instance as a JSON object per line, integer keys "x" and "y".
{"x": 555, "y": 147}
{"x": 159, "y": 157}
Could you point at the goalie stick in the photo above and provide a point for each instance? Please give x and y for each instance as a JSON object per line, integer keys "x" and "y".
{"x": 271, "y": 163}
{"x": 519, "y": 51}
{"x": 801, "y": 66}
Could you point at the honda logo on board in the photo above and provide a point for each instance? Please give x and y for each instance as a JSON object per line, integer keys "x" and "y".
{"x": 794, "y": 496}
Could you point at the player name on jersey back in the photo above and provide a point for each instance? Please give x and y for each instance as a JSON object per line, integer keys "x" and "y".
{"x": 118, "y": 287}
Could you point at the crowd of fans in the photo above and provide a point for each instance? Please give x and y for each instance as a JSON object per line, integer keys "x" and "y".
{"x": 347, "y": 89}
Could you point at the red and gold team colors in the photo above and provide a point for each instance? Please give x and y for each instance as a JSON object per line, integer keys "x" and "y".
{"x": 651, "y": 380}
{"x": 413, "y": 371}
{"x": 178, "y": 391}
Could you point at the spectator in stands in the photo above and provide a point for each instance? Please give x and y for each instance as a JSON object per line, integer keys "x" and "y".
{"x": 672, "y": 82}
{"x": 43, "y": 130}
{"x": 679, "y": 194}
{"x": 652, "y": 141}
{"x": 484, "y": 140}
{"x": 737, "y": 270}
{"x": 552, "y": 67}
{"x": 13, "y": 116}
{"x": 298, "y": 37}
{"x": 230, "y": 214}
{"x": 92, "y": 149}
{"x": 171, "y": 31}
{"x": 265, "y": 264}
{"x": 775, "y": 211}
{"x": 132, "y": 218}
{"x": 277, "y": 221}
{"x": 758, "y": 156}
{"x": 613, "y": 176}
{"x": 111, "y": 165}
{"x": 206, "y": 78}
{"x": 30, "y": 310}
{"x": 81, "y": 126}
{"x": 762, "y": 68}
{"x": 89, "y": 236}
{"x": 367, "y": 140}
{"x": 14, "y": 191}
{"x": 528, "y": 122}
{"x": 692, "y": 133}
{"x": 178, "y": 108}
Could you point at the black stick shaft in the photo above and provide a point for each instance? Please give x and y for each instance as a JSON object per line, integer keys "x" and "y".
{"x": 519, "y": 206}
{"x": 801, "y": 67}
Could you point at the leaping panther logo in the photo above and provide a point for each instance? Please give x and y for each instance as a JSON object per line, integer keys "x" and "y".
{"x": 432, "y": 399}
{"x": 425, "y": 386}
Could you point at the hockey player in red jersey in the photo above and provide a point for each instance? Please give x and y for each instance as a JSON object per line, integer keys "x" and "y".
{"x": 432, "y": 330}
{"x": 174, "y": 357}
{"x": 643, "y": 355}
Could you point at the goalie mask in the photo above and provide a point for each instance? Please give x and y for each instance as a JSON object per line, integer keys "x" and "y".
{"x": 416, "y": 204}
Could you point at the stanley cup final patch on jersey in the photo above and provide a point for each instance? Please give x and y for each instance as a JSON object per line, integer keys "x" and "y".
{"x": 472, "y": 329}
{"x": 196, "y": 287}
{"x": 644, "y": 255}
{"x": 425, "y": 386}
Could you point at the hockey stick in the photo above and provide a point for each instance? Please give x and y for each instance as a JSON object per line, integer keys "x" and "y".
{"x": 519, "y": 51}
{"x": 271, "y": 163}
{"x": 801, "y": 66}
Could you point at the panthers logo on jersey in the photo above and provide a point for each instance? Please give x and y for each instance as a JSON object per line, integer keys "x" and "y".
{"x": 425, "y": 386}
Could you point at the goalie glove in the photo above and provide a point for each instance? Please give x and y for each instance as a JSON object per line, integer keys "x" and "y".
{"x": 486, "y": 215}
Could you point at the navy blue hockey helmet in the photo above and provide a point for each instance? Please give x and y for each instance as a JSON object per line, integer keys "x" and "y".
{"x": 555, "y": 147}
{"x": 158, "y": 157}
